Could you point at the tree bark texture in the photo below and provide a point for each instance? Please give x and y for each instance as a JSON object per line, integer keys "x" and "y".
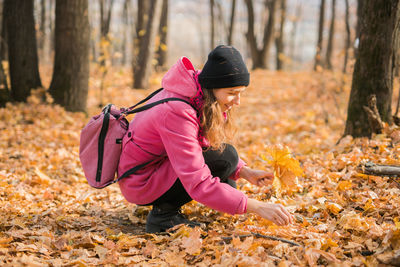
{"x": 22, "y": 48}
{"x": 126, "y": 14}
{"x": 141, "y": 22}
{"x": 329, "y": 49}
{"x": 232, "y": 22}
{"x": 260, "y": 56}
{"x": 373, "y": 70}
{"x": 69, "y": 85}
{"x": 3, "y": 41}
{"x": 163, "y": 34}
{"x": 348, "y": 36}
{"x": 143, "y": 67}
{"x": 42, "y": 27}
{"x": 5, "y": 95}
{"x": 318, "y": 57}
{"x": 279, "y": 40}
{"x": 105, "y": 22}
{"x": 51, "y": 25}
{"x": 105, "y": 16}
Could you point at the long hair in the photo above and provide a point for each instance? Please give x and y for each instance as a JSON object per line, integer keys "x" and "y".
{"x": 217, "y": 129}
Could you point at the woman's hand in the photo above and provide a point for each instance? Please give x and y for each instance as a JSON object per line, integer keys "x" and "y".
{"x": 275, "y": 213}
{"x": 257, "y": 177}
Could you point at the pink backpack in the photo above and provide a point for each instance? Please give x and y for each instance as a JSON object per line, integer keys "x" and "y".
{"x": 101, "y": 142}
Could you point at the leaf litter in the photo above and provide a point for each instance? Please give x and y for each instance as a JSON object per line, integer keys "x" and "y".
{"x": 51, "y": 217}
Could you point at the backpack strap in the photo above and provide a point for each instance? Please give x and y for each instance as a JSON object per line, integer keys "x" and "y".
{"x": 143, "y": 100}
{"x": 157, "y": 103}
{"x": 131, "y": 110}
{"x": 126, "y": 174}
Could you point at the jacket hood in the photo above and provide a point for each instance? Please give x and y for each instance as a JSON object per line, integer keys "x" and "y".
{"x": 180, "y": 78}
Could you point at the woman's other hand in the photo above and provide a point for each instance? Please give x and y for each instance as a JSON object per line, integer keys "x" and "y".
{"x": 275, "y": 213}
{"x": 257, "y": 177}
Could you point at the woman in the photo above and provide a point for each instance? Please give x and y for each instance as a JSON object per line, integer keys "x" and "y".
{"x": 187, "y": 144}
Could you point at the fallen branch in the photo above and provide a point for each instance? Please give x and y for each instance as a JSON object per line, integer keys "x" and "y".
{"x": 390, "y": 171}
{"x": 229, "y": 238}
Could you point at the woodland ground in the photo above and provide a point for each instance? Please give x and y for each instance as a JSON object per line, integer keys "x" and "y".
{"x": 49, "y": 215}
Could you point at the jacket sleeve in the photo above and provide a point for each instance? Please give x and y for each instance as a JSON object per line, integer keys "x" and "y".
{"x": 178, "y": 132}
{"x": 240, "y": 165}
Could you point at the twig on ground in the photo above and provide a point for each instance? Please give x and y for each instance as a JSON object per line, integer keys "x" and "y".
{"x": 229, "y": 238}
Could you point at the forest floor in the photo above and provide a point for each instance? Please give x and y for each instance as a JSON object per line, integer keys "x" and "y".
{"x": 50, "y": 216}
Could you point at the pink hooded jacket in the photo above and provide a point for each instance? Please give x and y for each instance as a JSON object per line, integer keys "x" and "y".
{"x": 168, "y": 134}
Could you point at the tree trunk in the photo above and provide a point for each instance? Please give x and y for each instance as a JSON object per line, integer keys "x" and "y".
{"x": 126, "y": 13}
{"x": 360, "y": 6}
{"x": 318, "y": 58}
{"x": 163, "y": 34}
{"x": 5, "y": 95}
{"x": 232, "y": 21}
{"x": 22, "y": 49}
{"x": 69, "y": 85}
{"x": 348, "y": 35}
{"x": 146, "y": 52}
{"x": 42, "y": 27}
{"x": 3, "y": 41}
{"x": 141, "y": 21}
{"x": 51, "y": 26}
{"x": 105, "y": 21}
{"x": 105, "y": 42}
{"x": 279, "y": 39}
{"x": 269, "y": 29}
{"x": 212, "y": 25}
{"x": 396, "y": 67}
{"x": 329, "y": 48}
{"x": 373, "y": 70}
{"x": 223, "y": 27}
{"x": 293, "y": 33}
{"x": 259, "y": 56}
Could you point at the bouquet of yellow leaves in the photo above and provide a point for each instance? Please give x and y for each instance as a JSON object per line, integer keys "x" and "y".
{"x": 286, "y": 169}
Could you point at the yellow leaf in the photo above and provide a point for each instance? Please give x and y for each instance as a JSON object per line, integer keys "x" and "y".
{"x": 333, "y": 207}
{"x": 344, "y": 185}
{"x": 397, "y": 222}
{"x": 329, "y": 243}
{"x": 286, "y": 169}
{"x": 142, "y": 33}
{"x": 163, "y": 47}
{"x": 369, "y": 205}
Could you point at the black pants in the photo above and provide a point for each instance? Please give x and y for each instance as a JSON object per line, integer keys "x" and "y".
{"x": 222, "y": 164}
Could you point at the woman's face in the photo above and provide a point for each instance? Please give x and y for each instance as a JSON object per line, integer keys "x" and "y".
{"x": 227, "y": 97}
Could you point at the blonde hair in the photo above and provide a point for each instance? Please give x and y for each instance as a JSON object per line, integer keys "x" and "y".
{"x": 216, "y": 129}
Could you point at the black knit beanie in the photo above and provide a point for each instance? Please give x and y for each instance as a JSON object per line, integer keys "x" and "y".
{"x": 224, "y": 68}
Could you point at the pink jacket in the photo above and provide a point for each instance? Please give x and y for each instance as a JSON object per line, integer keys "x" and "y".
{"x": 169, "y": 133}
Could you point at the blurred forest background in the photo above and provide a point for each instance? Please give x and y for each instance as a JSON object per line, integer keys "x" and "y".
{"x": 146, "y": 36}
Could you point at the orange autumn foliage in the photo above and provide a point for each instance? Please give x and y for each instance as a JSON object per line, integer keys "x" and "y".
{"x": 286, "y": 169}
{"x": 51, "y": 217}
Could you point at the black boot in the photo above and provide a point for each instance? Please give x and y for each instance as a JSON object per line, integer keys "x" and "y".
{"x": 165, "y": 216}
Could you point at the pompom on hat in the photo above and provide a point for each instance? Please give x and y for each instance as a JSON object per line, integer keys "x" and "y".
{"x": 224, "y": 68}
